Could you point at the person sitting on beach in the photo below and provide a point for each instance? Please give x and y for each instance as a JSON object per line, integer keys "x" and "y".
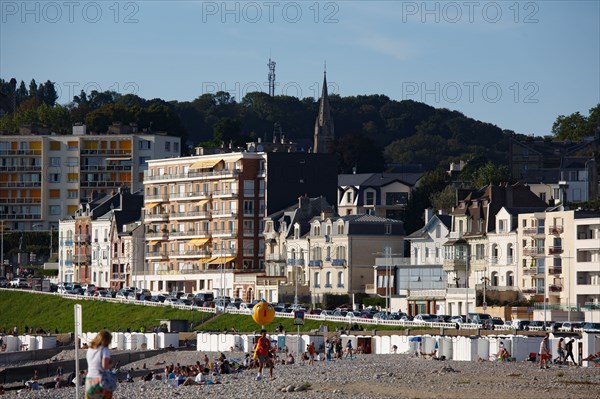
{"x": 593, "y": 358}
{"x": 290, "y": 359}
{"x": 502, "y": 353}
{"x": 33, "y": 383}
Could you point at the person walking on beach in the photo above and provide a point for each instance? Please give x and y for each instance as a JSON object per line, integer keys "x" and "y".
{"x": 545, "y": 352}
{"x": 261, "y": 353}
{"x": 569, "y": 348}
{"x": 561, "y": 350}
{"x": 98, "y": 360}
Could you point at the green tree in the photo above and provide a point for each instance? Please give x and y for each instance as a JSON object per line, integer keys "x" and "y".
{"x": 491, "y": 174}
{"x": 444, "y": 200}
{"x": 572, "y": 127}
{"x": 432, "y": 182}
{"x": 227, "y": 130}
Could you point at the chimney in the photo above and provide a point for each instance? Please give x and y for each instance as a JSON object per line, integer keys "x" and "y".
{"x": 428, "y": 215}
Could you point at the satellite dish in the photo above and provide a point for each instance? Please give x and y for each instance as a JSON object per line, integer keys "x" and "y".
{"x": 259, "y": 148}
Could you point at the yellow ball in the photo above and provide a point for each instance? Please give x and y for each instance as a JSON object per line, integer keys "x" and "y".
{"x": 263, "y": 313}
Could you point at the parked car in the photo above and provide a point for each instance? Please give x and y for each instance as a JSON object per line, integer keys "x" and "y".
{"x": 520, "y": 324}
{"x": 19, "y": 282}
{"x": 479, "y": 318}
{"x": 3, "y": 282}
{"x": 570, "y": 326}
{"x": 425, "y": 317}
{"x": 458, "y": 319}
{"x": 204, "y": 296}
{"x": 591, "y": 327}
{"x": 326, "y": 313}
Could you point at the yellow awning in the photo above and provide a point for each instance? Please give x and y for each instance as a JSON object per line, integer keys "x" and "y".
{"x": 220, "y": 259}
{"x": 205, "y": 164}
{"x": 153, "y": 242}
{"x": 151, "y": 205}
{"x": 202, "y": 203}
{"x": 198, "y": 241}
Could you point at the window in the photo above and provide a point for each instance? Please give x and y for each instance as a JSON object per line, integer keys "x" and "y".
{"x": 54, "y": 209}
{"x": 438, "y": 231}
{"x": 396, "y": 198}
{"x": 543, "y": 196}
{"x": 55, "y": 193}
{"x": 388, "y": 228}
{"x": 167, "y": 146}
{"x": 145, "y": 144}
{"x": 370, "y": 198}
{"x": 73, "y": 178}
{"x": 72, "y": 161}
{"x": 248, "y": 208}
{"x": 248, "y": 188}
{"x": 72, "y": 194}
{"x": 349, "y": 197}
{"x": 55, "y": 146}
{"x": 54, "y": 161}
{"x": 54, "y": 177}
{"x": 143, "y": 160}
{"x": 340, "y": 283}
{"x": 317, "y": 283}
{"x": 175, "y": 147}
{"x": 328, "y": 280}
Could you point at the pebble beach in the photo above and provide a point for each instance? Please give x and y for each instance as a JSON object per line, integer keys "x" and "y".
{"x": 366, "y": 376}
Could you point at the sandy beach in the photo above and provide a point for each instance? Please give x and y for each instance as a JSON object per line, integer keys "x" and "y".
{"x": 366, "y": 376}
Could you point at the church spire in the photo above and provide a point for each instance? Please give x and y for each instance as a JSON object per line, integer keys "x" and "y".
{"x": 324, "y": 131}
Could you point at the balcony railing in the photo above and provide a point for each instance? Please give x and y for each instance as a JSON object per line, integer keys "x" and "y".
{"x": 530, "y": 271}
{"x": 555, "y": 288}
{"x": 338, "y": 262}
{"x": 555, "y": 270}
{"x": 295, "y": 262}
{"x": 315, "y": 263}
{"x": 530, "y": 231}
{"x": 555, "y": 250}
{"x": 555, "y": 230}
{"x": 82, "y": 237}
{"x": 118, "y": 276}
{"x": 533, "y": 251}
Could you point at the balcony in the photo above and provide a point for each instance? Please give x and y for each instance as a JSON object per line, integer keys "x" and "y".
{"x": 162, "y": 235}
{"x": 118, "y": 277}
{"x": 82, "y": 259}
{"x": 315, "y": 263}
{"x": 190, "y": 253}
{"x": 155, "y": 198}
{"x": 531, "y": 231}
{"x": 555, "y": 250}
{"x": 20, "y": 184}
{"x": 555, "y": 270}
{"x": 338, "y": 262}
{"x": 555, "y": 230}
{"x": 530, "y": 291}
{"x": 530, "y": 271}
{"x": 295, "y": 262}
{"x": 555, "y": 288}
{"x": 190, "y": 215}
{"x": 157, "y": 254}
{"x": 534, "y": 251}
{"x": 454, "y": 264}
{"x": 224, "y": 214}
{"x": 224, "y": 233}
{"x": 225, "y": 194}
{"x": 193, "y": 195}
{"x": 156, "y": 216}
{"x": 82, "y": 238}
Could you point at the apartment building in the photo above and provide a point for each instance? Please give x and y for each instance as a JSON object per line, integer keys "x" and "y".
{"x": 342, "y": 251}
{"x": 382, "y": 194}
{"x": 44, "y": 178}
{"x": 89, "y": 241}
{"x": 204, "y": 216}
{"x": 560, "y": 261}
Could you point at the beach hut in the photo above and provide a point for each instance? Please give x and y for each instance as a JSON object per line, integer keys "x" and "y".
{"x": 46, "y": 342}
{"x": 483, "y": 348}
{"x": 202, "y": 342}
{"x": 166, "y": 340}
{"x": 29, "y": 343}
{"x": 523, "y": 345}
{"x": 150, "y": 341}
{"x": 445, "y": 347}
{"x": 465, "y": 349}
{"x": 415, "y": 345}
{"x": 402, "y": 342}
{"x": 12, "y": 343}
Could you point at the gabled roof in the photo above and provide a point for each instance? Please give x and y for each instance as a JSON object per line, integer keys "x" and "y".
{"x": 378, "y": 179}
{"x": 445, "y": 220}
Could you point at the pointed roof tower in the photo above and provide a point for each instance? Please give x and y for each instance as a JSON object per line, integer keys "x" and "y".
{"x": 324, "y": 131}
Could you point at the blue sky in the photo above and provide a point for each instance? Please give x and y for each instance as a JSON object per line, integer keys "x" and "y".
{"x": 514, "y": 64}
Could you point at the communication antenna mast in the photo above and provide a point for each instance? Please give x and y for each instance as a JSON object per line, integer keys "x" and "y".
{"x": 271, "y": 66}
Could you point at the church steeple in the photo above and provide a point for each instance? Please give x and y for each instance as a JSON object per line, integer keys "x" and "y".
{"x": 324, "y": 131}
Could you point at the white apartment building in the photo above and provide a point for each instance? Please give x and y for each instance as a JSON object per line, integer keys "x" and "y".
{"x": 44, "y": 178}
{"x": 560, "y": 261}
